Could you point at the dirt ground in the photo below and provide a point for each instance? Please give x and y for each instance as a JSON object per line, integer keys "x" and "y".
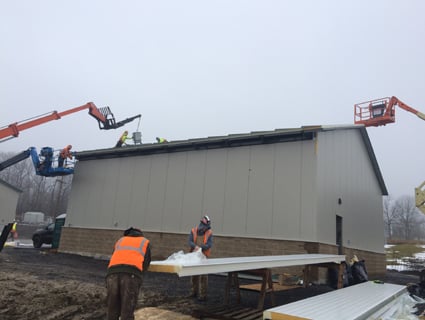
{"x": 41, "y": 284}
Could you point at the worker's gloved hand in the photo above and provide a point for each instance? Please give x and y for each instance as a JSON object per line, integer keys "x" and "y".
{"x": 204, "y": 247}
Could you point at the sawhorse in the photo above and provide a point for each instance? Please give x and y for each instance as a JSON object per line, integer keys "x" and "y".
{"x": 308, "y": 270}
{"x": 266, "y": 286}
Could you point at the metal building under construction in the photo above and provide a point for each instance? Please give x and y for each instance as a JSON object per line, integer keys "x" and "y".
{"x": 315, "y": 189}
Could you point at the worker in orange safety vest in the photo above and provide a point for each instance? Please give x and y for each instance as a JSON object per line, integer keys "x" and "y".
{"x": 64, "y": 154}
{"x": 201, "y": 238}
{"x": 130, "y": 259}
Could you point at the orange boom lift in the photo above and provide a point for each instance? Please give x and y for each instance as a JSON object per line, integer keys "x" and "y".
{"x": 380, "y": 112}
{"x": 104, "y": 117}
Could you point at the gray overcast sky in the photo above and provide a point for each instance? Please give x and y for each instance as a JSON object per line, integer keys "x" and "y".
{"x": 204, "y": 68}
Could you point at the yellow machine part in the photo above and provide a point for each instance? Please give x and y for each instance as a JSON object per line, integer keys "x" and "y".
{"x": 420, "y": 197}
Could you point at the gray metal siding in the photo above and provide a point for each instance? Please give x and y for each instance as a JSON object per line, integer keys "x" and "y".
{"x": 247, "y": 191}
{"x": 215, "y": 181}
{"x": 260, "y": 191}
{"x": 194, "y": 184}
{"x": 236, "y": 191}
{"x": 9, "y": 200}
{"x": 138, "y": 187}
{"x": 348, "y": 174}
{"x": 286, "y": 190}
{"x": 308, "y": 192}
{"x": 172, "y": 217}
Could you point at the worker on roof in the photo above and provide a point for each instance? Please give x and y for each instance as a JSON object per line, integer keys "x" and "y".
{"x": 201, "y": 239}
{"x": 64, "y": 154}
{"x": 122, "y": 140}
{"x": 129, "y": 261}
{"x": 161, "y": 140}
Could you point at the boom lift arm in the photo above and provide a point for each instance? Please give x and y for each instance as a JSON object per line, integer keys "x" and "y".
{"x": 380, "y": 112}
{"x": 43, "y": 163}
{"x": 15, "y": 159}
{"x": 104, "y": 116}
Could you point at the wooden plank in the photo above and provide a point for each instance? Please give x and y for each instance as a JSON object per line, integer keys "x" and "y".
{"x": 167, "y": 268}
{"x": 276, "y": 287}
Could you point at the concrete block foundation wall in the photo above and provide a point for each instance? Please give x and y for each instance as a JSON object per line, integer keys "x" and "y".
{"x": 99, "y": 243}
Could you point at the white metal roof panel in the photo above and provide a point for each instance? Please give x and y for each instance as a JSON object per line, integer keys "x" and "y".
{"x": 218, "y": 265}
{"x": 351, "y": 303}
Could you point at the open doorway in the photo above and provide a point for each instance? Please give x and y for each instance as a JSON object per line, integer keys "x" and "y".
{"x": 339, "y": 234}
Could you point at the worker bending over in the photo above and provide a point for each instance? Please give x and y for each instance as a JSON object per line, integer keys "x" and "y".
{"x": 161, "y": 140}
{"x": 122, "y": 140}
{"x": 130, "y": 259}
{"x": 201, "y": 237}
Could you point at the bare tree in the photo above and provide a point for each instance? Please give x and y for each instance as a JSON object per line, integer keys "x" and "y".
{"x": 390, "y": 216}
{"x": 408, "y": 217}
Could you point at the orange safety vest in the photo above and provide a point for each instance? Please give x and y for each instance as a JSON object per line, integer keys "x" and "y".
{"x": 207, "y": 234}
{"x": 130, "y": 251}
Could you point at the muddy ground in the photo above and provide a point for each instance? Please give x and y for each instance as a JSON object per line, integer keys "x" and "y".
{"x": 41, "y": 284}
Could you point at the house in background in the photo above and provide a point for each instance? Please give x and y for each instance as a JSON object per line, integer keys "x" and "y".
{"x": 315, "y": 189}
{"x": 9, "y": 196}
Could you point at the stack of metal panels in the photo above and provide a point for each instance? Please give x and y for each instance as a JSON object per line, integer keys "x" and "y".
{"x": 354, "y": 302}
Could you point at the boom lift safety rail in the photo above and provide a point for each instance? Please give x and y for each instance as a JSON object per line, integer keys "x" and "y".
{"x": 380, "y": 112}
{"x": 104, "y": 116}
{"x": 42, "y": 163}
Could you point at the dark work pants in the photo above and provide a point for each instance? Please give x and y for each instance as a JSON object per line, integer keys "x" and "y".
{"x": 122, "y": 295}
{"x": 200, "y": 286}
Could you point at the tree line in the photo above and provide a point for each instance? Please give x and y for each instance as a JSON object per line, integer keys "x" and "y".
{"x": 43, "y": 194}
{"x": 403, "y": 221}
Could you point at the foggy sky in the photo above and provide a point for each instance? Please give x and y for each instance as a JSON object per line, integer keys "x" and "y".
{"x": 195, "y": 69}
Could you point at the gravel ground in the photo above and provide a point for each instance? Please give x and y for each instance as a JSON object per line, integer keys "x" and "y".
{"x": 41, "y": 284}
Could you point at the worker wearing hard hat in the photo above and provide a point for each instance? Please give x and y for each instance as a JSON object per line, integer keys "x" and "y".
{"x": 130, "y": 259}
{"x": 124, "y": 137}
{"x": 201, "y": 238}
{"x": 64, "y": 154}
